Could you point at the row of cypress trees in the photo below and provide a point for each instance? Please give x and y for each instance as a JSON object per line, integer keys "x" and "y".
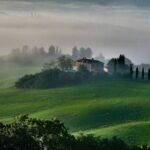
{"x": 137, "y": 73}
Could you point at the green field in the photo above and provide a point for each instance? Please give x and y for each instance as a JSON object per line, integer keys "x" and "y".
{"x": 9, "y": 75}
{"x": 105, "y": 108}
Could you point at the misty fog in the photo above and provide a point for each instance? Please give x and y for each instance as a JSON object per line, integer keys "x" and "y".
{"x": 110, "y": 29}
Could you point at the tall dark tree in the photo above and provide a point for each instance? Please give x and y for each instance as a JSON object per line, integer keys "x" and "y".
{"x": 148, "y": 74}
{"x": 121, "y": 59}
{"x": 143, "y": 73}
{"x": 137, "y": 73}
{"x": 131, "y": 70}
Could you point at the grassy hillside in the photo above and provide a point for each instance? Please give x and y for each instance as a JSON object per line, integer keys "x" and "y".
{"x": 9, "y": 75}
{"x": 107, "y": 108}
{"x": 133, "y": 132}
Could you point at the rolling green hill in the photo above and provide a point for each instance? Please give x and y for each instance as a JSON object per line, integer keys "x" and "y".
{"x": 106, "y": 108}
{"x": 133, "y": 132}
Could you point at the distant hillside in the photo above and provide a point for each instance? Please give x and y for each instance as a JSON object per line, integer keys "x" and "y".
{"x": 10, "y": 74}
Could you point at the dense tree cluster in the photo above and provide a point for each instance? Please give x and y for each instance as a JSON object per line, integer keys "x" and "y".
{"x": 123, "y": 67}
{"x": 33, "y": 134}
{"x": 58, "y": 74}
{"x": 139, "y": 75}
{"x": 52, "y": 78}
{"x": 64, "y": 63}
{"x": 33, "y": 56}
{"x": 118, "y": 66}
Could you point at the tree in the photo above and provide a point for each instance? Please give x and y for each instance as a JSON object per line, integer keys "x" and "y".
{"x": 115, "y": 66}
{"x": 148, "y": 74}
{"x": 33, "y": 134}
{"x": 121, "y": 60}
{"x": 48, "y": 66}
{"x": 65, "y": 63}
{"x": 26, "y": 133}
{"x": 143, "y": 73}
{"x": 75, "y": 53}
{"x": 42, "y": 51}
{"x": 131, "y": 70}
{"x": 52, "y": 50}
{"x": 25, "y": 49}
{"x": 88, "y": 52}
{"x": 85, "y": 52}
{"x": 137, "y": 73}
{"x": 82, "y": 52}
{"x": 35, "y": 50}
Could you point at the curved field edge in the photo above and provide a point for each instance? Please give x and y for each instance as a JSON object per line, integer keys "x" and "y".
{"x": 133, "y": 133}
{"x": 85, "y": 107}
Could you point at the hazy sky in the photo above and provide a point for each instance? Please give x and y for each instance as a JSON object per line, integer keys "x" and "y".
{"x": 108, "y": 26}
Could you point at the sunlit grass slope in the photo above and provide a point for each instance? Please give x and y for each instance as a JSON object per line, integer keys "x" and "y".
{"x": 133, "y": 133}
{"x": 106, "y": 108}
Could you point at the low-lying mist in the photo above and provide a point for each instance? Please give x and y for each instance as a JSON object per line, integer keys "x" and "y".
{"x": 110, "y": 29}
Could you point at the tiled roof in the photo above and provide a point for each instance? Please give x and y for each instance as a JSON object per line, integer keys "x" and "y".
{"x": 90, "y": 61}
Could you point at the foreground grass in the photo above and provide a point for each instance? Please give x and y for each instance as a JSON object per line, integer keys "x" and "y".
{"x": 107, "y": 108}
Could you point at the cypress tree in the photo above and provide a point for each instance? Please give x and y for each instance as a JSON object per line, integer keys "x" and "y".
{"x": 137, "y": 73}
{"x": 143, "y": 73}
{"x": 148, "y": 74}
{"x": 131, "y": 70}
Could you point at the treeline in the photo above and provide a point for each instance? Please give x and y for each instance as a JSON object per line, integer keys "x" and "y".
{"x": 123, "y": 67}
{"x": 27, "y": 56}
{"x": 56, "y": 78}
{"x": 58, "y": 73}
{"x": 78, "y": 53}
{"x": 31, "y": 56}
{"x": 33, "y": 134}
{"x": 61, "y": 72}
{"x": 135, "y": 73}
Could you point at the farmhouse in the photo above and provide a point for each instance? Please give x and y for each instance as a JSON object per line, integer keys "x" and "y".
{"x": 91, "y": 65}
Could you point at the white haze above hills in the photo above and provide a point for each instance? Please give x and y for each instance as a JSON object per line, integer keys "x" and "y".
{"x": 111, "y": 28}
